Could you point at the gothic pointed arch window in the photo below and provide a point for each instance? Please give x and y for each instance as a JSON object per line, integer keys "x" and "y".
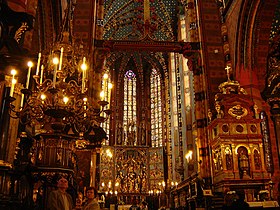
{"x": 156, "y": 109}
{"x": 129, "y": 109}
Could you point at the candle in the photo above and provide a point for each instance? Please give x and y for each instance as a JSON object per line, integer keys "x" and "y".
{"x": 60, "y": 59}
{"x": 42, "y": 74}
{"x": 110, "y": 86}
{"x": 102, "y": 94}
{"x": 55, "y": 62}
{"x": 30, "y": 64}
{"x": 106, "y": 86}
{"x": 14, "y": 81}
{"x": 84, "y": 68}
{"x": 38, "y": 64}
{"x": 22, "y": 99}
{"x": 13, "y": 72}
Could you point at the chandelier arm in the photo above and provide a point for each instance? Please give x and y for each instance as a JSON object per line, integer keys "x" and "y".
{"x": 34, "y": 102}
{"x": 44, "y": 86}
{"x": 13, "y": 113}
{"x": 73, "y": 87}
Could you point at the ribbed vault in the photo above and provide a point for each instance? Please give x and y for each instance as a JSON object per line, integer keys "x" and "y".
{"x": 136, "y": 20}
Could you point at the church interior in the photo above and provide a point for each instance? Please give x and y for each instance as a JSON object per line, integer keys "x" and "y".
{"x": 171, "y": 102}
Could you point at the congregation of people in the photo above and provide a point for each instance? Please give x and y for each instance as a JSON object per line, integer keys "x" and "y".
{"x": 60, "y": 199}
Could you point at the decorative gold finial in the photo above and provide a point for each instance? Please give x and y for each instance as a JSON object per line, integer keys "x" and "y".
{"x": 230, "y": 86}
{"x": 228, "y": 72}
{"x": 256, "y": 111}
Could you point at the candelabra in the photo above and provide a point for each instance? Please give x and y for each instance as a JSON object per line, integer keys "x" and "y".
{"x": 59, "y": 96}
{"x": 158, "y": 188}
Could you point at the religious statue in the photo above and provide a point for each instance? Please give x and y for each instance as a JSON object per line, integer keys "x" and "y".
{"x": 143, "y": 133}
{"x": 119, "y": 134}
{"x": 131, "y": 133}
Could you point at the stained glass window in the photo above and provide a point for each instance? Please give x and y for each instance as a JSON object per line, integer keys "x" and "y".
{"x": 129, "y": 118}
{"x": 156, "y": 113}
{"x": 106, "y": 96}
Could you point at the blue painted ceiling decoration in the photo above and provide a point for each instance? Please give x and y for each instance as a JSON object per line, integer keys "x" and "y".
{"x": 134, "y": 20}
{"x": 124, "y": 20}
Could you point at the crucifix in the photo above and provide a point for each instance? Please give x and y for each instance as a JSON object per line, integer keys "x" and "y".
{"x": 228, "y": 72}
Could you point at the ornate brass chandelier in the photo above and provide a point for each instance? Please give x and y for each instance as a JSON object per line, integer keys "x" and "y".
{"x": 59, "y": 96}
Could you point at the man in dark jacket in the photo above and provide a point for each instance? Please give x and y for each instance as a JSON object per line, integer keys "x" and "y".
{"x": 59, "y": 199}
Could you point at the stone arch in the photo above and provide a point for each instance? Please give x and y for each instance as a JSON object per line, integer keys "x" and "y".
{"x": 252, "y": 42}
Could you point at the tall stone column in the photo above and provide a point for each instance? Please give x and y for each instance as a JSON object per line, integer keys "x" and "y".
{"x": 195, "y": 65}
{"x": 99, "y": 55}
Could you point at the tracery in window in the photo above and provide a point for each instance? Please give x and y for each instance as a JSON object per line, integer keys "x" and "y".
{"x": 156, "y": 111}
{"x": 129, "y": 118}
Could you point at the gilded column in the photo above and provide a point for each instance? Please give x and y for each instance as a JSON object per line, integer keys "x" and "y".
{"x": 235, "y": 159}
{"x": 251, "y": 157}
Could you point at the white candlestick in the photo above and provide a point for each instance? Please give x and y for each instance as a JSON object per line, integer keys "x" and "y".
{"x": 28, "y": 77}
{"x": 38, "y": 64}
{"x": 84, "y": 67}
{"x": 22, "y": 100}
{"x": 42, "y": 74}
{"x": 13, "y": 86}
{"x": 55, "y": 62}
{"x": 54, "y": 76}
{"x": 60, "y": 59}
{"x": 13, "y": 72}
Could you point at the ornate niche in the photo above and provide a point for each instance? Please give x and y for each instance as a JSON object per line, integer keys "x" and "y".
{"x": 236, "y": 139}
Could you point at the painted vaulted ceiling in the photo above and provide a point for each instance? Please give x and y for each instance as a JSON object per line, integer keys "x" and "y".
{"x": 136, "y": 20}
{"x": 127, "y": 19}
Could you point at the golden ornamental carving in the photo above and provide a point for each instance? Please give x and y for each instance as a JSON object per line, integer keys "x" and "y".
{"x": 238, "y": 111}
{"x": 276, "y": 89}
{"x": 23, "y": 28}
{"x": 274, "y": 100}
{"x": 231, "y": 86}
